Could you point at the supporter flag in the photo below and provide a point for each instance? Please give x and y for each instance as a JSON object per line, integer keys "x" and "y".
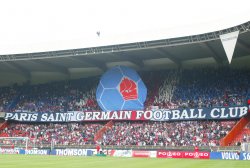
{"x": 121, "y": 88}
{"x": 229, "y": 41}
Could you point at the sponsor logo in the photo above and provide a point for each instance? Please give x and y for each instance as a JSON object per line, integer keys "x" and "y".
{"x": 121, "y": 153}
{"x": 246, "y": 156}
{"x": 9, "y": 151}
{"x": 183, "y": 154}
{"x": 36, "y": 152}
{"x": 169, "y": 154}
{"x": 196, "y": 154}
{"x": 141, "y": 154}
{"x": 128, "y": 89}
{"x": 74, "y": 152}
{"x": 230, "y": 156}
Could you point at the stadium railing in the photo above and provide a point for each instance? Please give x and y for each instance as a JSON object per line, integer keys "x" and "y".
{"x": 186, "y": 148}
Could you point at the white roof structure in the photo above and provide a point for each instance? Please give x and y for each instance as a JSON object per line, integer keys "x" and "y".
{"x": 29, "y": 26}
{"x": 43, "y": 41}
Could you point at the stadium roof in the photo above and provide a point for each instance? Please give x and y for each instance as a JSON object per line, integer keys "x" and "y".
{"x": 181, "y": 46}
{"x": 29, "y": 26}
{"x": 202, "y": 50}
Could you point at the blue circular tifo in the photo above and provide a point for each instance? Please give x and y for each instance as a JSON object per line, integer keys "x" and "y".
{"x": 121, "y": 88}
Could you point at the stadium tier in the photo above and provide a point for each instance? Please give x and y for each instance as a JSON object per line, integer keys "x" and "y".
{"x": 167, "y": 89}
{"x": 168, "y": 134}
{"x": 207, "y": 87}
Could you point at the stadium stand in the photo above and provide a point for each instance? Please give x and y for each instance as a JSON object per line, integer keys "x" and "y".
{"x": 58, "y": 96}
{"x": 204, "y": 87}
{"x": 186, "y": 133}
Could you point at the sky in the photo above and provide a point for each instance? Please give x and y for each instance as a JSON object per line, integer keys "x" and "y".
{"x": 28, "y": 26}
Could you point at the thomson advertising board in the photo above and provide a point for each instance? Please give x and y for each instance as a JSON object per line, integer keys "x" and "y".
{"x": 72, "y": 152}
{"x": 34, "y": 152}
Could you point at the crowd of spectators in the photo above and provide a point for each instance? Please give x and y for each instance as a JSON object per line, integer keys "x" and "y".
{"x": 206, "y": 87}
{"x": 60, "y": 134}
{"x": 58, "y": 96}
{"x": 185, "y": 133}
{"x": 7, "y": 95}
{"x": 166, "y": 89}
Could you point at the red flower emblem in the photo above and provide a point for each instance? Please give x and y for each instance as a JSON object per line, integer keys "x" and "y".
{"x": 128, "y": 89}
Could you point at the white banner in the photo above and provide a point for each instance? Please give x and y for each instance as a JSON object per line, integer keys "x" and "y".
{"x": 157, "y": 115}
{"x": 229, "y": 41}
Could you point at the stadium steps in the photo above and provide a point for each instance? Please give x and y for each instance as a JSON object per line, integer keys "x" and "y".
{"x": 245, "y": 131}
{"x": 240, "y": 136}
{"x": 236, "y": 131}
{"x": 100, "y": 132}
